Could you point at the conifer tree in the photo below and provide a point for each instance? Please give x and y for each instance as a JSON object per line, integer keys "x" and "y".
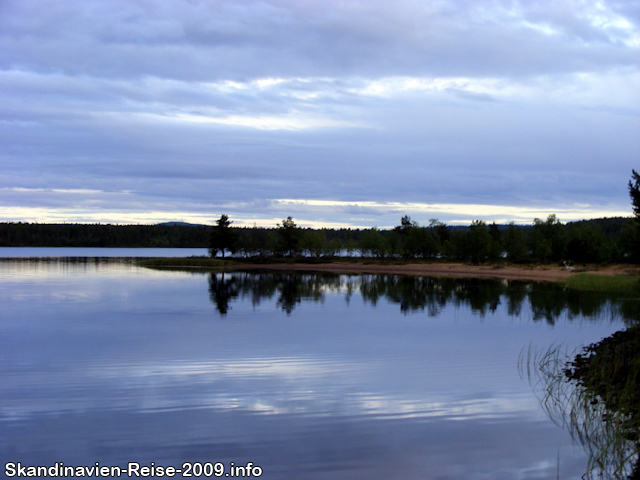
{"x": 223, "y": 237}
{"x": 634, "y": 193}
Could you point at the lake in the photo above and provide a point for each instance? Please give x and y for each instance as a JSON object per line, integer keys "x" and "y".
{"x": 75, "y": 252}
{"x": 303, "y": 375}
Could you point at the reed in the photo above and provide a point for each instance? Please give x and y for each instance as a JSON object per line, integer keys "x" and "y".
{"x": 596, "y": 395}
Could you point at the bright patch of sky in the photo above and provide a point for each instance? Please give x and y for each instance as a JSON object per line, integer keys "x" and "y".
{"x": 356, "y": 112}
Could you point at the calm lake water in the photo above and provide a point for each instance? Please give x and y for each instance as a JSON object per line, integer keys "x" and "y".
{"x": 57, "y": 252}
{"x": 307, "y": 376}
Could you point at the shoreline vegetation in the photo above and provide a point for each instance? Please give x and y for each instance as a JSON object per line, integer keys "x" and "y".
{"x": 605, "y": 240}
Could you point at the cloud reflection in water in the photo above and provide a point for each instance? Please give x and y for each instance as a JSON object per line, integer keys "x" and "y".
{"x": 410, "y": 378}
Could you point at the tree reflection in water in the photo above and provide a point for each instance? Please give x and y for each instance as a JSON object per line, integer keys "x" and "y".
{"x": 547, "y": 301}
{"x": 593, "y": 394}
{"x": 222, "y": 290}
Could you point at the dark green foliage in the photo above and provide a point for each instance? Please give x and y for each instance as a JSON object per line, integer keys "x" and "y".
{"x": 547, "y": 239}
{"x": 333, "y": 247}
{"x": 497, "y": 246}
{"x": 313, "y": 242}
{"x": 515, "y": 244}
{"x": 373, "y": 244}
{"x": 632, "y": 235}
{"x": 474, "y": 244}
{"x": 479, "y": 243}
{"x": 629, "y": 241}
{"x": 257, "y": 242}
{"x": 634, "y": 193}
{"x": 422, "y": 243}
{"x": 395, "y": 243}
{"x": 223, "y": 237}
{"x": 102, "y": 235}
{"x": 440, "y": 229}
{"x": 290, "y": 237}
{"x": 609, "y": 226}
{"x": 457, "y": 247}
{"x": 410, "y": 240}
{"x": 585, "y": 242}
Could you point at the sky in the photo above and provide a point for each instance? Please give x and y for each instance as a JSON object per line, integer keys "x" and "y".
{"x": 337, "y": 113}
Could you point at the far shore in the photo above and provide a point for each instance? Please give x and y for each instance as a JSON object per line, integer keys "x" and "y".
{"x": 447, "y": 270}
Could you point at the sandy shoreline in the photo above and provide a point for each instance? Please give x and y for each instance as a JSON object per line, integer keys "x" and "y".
{"x": 448, "y": 270}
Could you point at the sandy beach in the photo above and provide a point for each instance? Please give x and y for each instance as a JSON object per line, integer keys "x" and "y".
{"x": 450, "y": 270}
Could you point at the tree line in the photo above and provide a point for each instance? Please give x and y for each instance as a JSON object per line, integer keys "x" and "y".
{"x": 601, "y": 240}
{"x": 544, "y": 241}
{"x": 101, "y": 235}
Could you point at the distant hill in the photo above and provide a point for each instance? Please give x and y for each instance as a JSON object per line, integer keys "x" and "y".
{"x": 501, "y": 227}
{"x": 181, "y": 224}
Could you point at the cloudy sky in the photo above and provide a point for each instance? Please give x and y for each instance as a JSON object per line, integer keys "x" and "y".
{"x": 338, "y": 113}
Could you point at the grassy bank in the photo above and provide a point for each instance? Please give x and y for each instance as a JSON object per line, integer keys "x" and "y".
{"x": 589, "y": 282}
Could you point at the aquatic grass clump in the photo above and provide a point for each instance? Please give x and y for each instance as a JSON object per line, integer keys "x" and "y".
{"x": 608, "y": 373}
{"x": 597, "y": 397}
{"x": 620, "y": 284}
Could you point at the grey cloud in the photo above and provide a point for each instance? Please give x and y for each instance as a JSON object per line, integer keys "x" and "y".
{"x": 90, "y": 95}
{"x": 244, "y": 40}
{"x": 439, "y": 160}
